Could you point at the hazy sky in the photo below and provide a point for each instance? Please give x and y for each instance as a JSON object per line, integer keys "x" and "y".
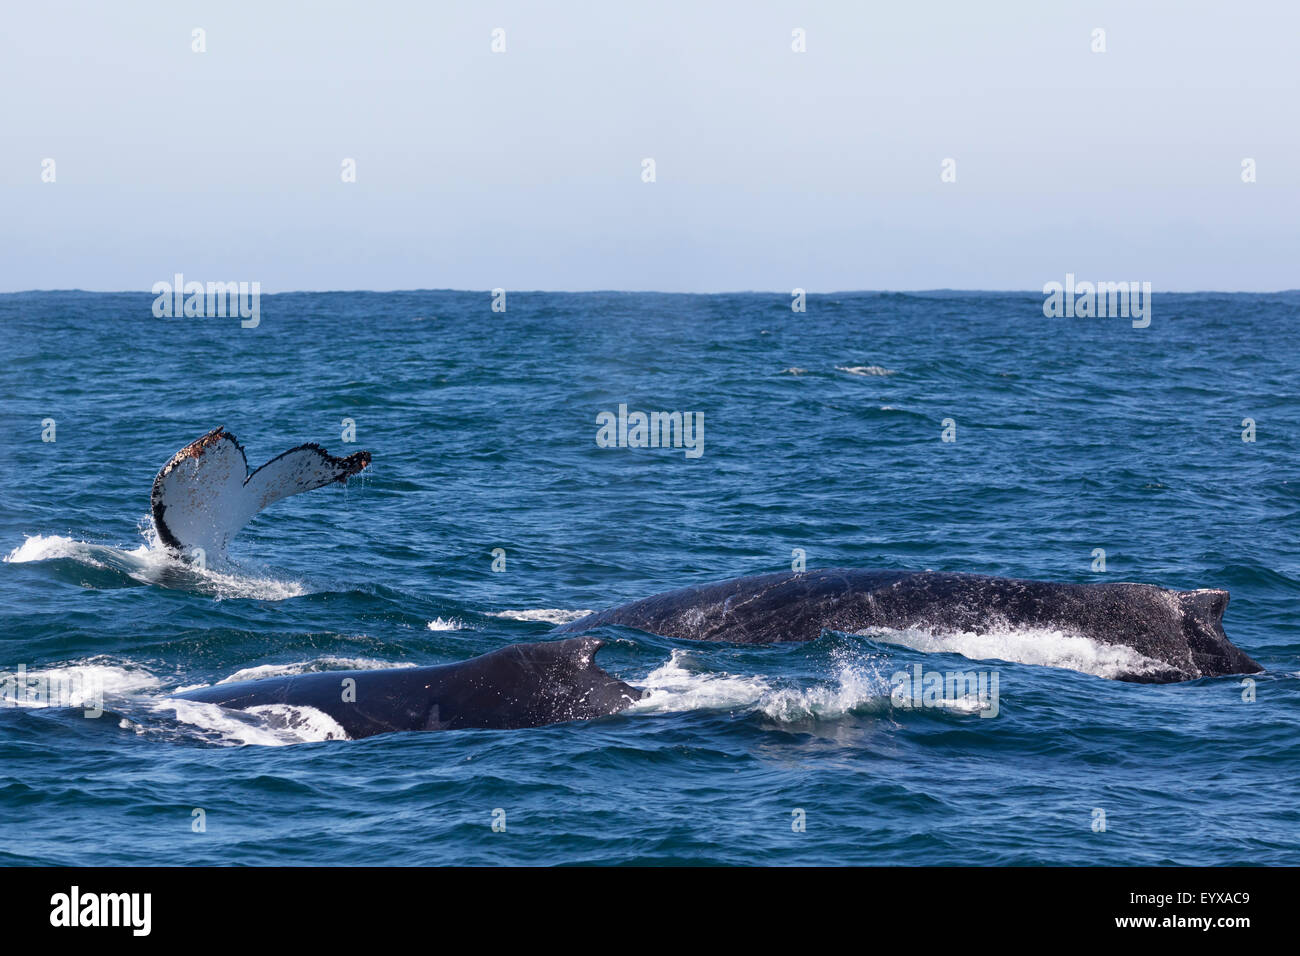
{"x": 775, "y": 169}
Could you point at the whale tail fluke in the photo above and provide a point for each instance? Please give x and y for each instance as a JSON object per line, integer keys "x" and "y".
{"x": 205, "y": 494}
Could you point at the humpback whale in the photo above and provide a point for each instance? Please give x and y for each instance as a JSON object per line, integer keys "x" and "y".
{"x": 206, "y": 493}
{"x": 1179, "y": 634}
{"x": 522, "y": 685}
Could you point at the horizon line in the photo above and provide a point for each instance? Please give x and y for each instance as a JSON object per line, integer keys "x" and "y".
{"x": 773, "y": 292}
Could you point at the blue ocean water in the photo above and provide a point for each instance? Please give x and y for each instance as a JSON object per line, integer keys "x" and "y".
{"x": 822, "y": 433}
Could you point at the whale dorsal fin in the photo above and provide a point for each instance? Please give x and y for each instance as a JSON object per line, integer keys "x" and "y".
{"x": 205, "y": 494}
{"x": 1206, "y": 604}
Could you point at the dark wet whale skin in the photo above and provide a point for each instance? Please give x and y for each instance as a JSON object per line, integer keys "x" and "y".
{"x": 523, "y": 685}
{"x": 1180, "y": 630}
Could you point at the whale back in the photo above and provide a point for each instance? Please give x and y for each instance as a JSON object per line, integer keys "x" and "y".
{"x": 531, "y": 685}
{"x": 522, "y": 685}
{"x": 205, "y": 494}
{"x": 1179, "y": 633}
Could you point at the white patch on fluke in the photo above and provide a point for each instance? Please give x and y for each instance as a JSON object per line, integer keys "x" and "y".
{"x": 206, "y": 494}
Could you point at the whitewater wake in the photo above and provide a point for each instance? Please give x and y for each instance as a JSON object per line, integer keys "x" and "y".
{"x": 548, "y": 615}
{"x": 680, "y": 684}
{"x": 857, "y": 682}
{"x": 273, "y": 725}
{"x": 100, "y": 688}
{"x": 154, "y": 565}
{"x": 91, "y": 685}
{"x": 1038, "y": 646}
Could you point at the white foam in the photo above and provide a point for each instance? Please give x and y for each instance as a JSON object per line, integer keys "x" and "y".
{"x": 857, "y": 688}
{"x": 252, "y": 587}
{"x": 81, "y": 686}
{"x": 966, "y": 704}
{"x": 306, "y": 667}
{"x": 300, "y": 724}
{"x": 157, "y": 566}
{"x": 549, "y": 615}
{"x": 677, "y": 686}
{"x": 1039, "y": 646}
{"x": 40, "y": 547}
{"x": 96, "y": 683}
{"x": 447, "y": 624}
{"x": 279, "y": 726}
{"x": 865, "y": 370}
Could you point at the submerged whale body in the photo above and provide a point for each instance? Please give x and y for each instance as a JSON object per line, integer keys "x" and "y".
{"x": 523, "y": 685}
{"x": 206, "y": 493}
{"x": 1179, "y": 634}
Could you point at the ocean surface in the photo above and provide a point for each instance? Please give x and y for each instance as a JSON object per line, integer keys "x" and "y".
{"x": 823, "y": 431}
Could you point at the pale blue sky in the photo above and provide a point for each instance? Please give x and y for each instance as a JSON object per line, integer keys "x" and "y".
{"x": 775, "y": 169}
